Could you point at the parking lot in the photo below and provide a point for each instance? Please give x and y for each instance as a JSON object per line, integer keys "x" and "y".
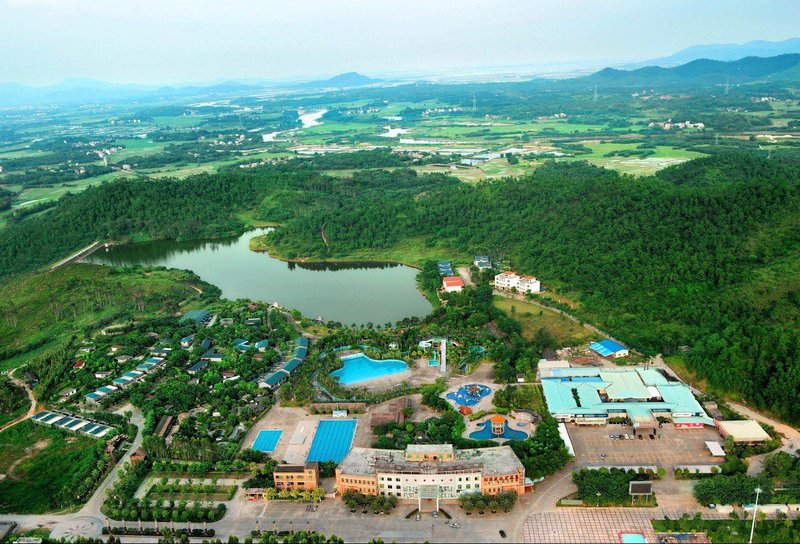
{"x": 677, "y": 447}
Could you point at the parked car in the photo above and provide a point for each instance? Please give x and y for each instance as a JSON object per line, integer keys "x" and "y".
{"x": 502, "y": 533}
{"x": 455, "y": 525}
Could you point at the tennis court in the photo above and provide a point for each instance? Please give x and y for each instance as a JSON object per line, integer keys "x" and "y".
{"x": 332, "y": 440}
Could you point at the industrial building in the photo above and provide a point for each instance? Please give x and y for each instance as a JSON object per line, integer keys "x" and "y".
{"x": 591, "y": 396}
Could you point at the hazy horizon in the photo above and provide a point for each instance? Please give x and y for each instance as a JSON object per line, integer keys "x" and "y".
{"x": 148, "y": 42}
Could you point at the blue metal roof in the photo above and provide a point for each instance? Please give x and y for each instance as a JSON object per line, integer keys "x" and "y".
{"x": 274, "y": 379}
{"x": 197, "y": 367}
{"x": 301, "y": 341}
{"x": 606, "y": 347}
{"x": 292, "y": 364}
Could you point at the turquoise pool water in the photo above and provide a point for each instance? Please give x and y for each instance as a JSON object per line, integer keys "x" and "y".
{"x": 360, "y": 368}
{"x": 267, "y": 440}
{"x": 485, "y": 433}
{"x": 332, "y": 440}
{"x": 632, "y": 538}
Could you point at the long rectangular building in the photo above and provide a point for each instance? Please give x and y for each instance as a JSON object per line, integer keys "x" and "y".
{"x": 430, "y": 472}
{"x": 591, "y": 396}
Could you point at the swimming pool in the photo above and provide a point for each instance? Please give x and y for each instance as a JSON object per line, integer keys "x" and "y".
{"x": 267, "y": 440}
{"x": 632, "y": 538}
{"x": 360, "y": 368}
{"x": 332, "y": 440}
{"x": 485, "y": 433}
{"x": 469, "y": 395}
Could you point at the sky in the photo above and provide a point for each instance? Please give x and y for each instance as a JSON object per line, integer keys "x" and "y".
{"x": 190, "y": 41}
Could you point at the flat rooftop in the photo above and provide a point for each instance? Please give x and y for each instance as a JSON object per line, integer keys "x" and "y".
{"x": 595, "y": 392}
{"x": 497, "y": 461}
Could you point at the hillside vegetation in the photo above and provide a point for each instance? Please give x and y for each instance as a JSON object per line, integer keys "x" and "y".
{"x": 702, "y": 254}
{"x": 41, "y": 311}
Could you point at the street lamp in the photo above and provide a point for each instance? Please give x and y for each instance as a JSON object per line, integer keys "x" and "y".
{"x": 598, "y": 498}
{"x": 755, "y": 511}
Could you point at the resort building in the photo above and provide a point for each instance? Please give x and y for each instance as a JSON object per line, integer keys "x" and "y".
{"x": 591, "y": 396}
{"x": 743, "y": 432}
{"x": 609, "y": 348}
{"x": 431, "y": 472}
{"x": 529, "y": 284}
{"x": 482, "y": 262}
{"x": 303, "y": 477}
{"x": 523, "y": 284}
{"x": 452, "y": 284}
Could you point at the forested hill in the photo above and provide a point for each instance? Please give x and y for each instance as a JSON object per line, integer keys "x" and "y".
{"x": 706, "y": 254}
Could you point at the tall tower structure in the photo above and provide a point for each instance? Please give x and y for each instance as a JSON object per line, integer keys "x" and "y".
{"x": 443, "y": 366}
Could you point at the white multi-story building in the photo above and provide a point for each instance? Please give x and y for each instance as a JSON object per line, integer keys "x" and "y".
{"x": 506, "y": 280}
{"x": 523, "y": 284}
{"x": 529, "y": 284}
{"x": 426, "y": 472}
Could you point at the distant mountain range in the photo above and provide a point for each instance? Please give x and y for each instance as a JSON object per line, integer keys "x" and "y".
{"x": 704, "y": 72}
{"x": 90, "y": 90}
{"x": 348, "y": 79}
{"x": 724, "y": 51}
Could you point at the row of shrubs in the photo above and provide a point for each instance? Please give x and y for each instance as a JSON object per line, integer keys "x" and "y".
{"x": 151, "y": 531}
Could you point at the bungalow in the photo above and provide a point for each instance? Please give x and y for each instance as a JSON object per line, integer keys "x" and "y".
{"x": 103, "y": 374}
{"x": 452, "y": 284}
{"x": 226, "y": 321}
{"x": 482, "y": 262}
{"x": 198, "y": 316}
{"x": 241, "y": 344}
{"x": 186, "y": 342}
{"x": 271, "y": 380}
{"x": 146, "y": 367}
{"x": 262, "y": 345}
{"x": 292, "y": 364}
{"x": 137, "y": 456}
{"x": 205, "y": 344}
{"x": 31, "y": 378}
{"x": 300, "y": 352}
{"x": 87, "y": 349}
{"x": 77, "y": 365}
{"x": 229, "y": 375}
{"x": 252, "y": 321}
{"x": 160, "y": 352}
{"x": 212, "y": 356}
{"x": 445, "y": 268}
{"x": 123, "y": 358}
{"x": 197, "y": 367}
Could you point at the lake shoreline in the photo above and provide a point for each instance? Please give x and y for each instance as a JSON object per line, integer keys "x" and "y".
{"x": 347, "y": 291}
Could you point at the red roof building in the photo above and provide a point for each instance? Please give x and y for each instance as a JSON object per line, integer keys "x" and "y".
{"x": 77, "y": 365}
{"x": 452, "y": 284}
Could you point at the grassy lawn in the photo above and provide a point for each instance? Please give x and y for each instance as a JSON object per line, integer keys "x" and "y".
{"x": 36, "y": 195}
{"x": 532, "y": 318}
{"x": 43, "y": 467}
{"x": 50, "y": 307}
{"x": 527, "y": 397}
